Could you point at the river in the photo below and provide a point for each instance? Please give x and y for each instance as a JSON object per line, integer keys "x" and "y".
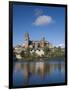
{"x": 38, "y": 72}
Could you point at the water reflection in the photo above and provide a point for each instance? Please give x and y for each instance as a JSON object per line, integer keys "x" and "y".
{"x": 31, "y": 70}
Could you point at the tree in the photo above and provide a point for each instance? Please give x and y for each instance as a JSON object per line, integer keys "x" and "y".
{"x": 46, "y": 50}
{"x": 22, "y": 54}
{"x": 28, "y": 52}
{"x": 59, "y": 49}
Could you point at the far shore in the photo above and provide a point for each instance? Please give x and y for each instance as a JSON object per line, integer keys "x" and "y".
{"x": 40, "y": 58}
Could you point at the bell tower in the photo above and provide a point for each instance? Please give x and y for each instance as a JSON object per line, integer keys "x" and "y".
{"x": 26, "y": 39}
{"x": 42, "y": 44}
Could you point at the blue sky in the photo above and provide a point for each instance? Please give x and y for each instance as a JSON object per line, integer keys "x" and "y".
{"x": 38, "y": 21}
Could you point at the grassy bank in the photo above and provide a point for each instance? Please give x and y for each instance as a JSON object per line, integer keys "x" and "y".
{"x": 48, "y": 54}
{"x": 39, "y": 58}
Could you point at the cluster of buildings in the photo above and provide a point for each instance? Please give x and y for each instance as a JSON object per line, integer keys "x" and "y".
{"x": 35, "y": 46}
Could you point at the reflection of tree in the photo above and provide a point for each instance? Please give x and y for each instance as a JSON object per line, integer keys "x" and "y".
{"x": 17, "y": 67}
{"x": 32, "y": 67}
{"x": 22, "y": 66}
{"x": 26, "y": 73}
{"x": 39, "y": 68}
{"x": 59, "y": 67}
{"x": 27, "y": 68}
{"x": 47, "y": 68}
{"x": 42, "y": 69}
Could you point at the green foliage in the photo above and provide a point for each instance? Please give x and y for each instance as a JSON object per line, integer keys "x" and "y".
{"x": 53, "y": 52}
{"x": 27, "y": 52}
{"x": 48, "y": 52}
{"x": 22, "y": 54}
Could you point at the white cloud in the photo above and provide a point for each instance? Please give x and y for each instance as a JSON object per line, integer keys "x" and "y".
{"x": 43, "y": 20}
{"x": 61, "y": 45}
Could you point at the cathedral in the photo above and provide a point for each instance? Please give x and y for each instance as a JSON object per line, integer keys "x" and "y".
{"x": 28, "y": 43}
{"x": 35, "y": 46}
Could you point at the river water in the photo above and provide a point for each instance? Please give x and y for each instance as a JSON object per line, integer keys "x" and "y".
{"x": 38, "y": 72}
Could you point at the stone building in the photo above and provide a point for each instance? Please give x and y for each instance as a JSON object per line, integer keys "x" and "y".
{"x": 35, "y": 44}
{"x": 26, "y": 40}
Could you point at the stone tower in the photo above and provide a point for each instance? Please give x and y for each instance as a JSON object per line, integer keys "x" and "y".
{"x": 26, "y": 40}
{"x": 42, "y": 44}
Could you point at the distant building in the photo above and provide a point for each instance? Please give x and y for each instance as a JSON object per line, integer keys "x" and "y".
{"x": 35, "y": 44}
{"x": 26, "y": 40}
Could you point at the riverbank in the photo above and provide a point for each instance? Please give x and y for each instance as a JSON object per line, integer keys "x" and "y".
{"x": 40, "y": 58}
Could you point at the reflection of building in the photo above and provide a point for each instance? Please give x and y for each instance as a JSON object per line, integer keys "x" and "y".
{"x": 42, "y": 69}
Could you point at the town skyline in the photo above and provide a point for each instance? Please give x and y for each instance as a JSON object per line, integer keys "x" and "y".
{"x": 39, "y": 22}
